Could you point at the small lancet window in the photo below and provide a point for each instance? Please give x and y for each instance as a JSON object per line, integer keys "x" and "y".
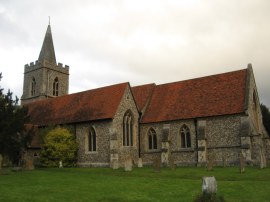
{"x": 33, "y": 87}
{"x": 92, "y": 140}
{"x": 152, "y": 139}
{"x": 255, "y": 109}
{"x": 128, "y": 129}
{"x": 185, "y": 137}
{"x": 56, "y": 87}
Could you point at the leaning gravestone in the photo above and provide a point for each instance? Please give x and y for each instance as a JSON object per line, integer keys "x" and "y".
{"x": 209, "y": 185}
{"x": 157, "y": 165}
{"x": 128, "y": 164}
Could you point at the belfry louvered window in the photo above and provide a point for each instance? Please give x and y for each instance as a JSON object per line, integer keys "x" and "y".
{"x": 152, "y": 139}
{"x": 185, "y": 137}
{"x": 128, "y": 129}
{"x": 33, "y": 87}
{"x": 56, "y": 87}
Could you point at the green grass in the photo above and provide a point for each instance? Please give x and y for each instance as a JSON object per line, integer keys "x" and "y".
{"x": 142, "y": 184}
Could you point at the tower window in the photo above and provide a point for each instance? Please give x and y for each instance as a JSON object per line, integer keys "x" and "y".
{"x": 56, "y": 87}
{"x": 152, "y": 139}
{"x": 185, "y": 137}
{"x": 33, "y": 87}
{"x": 128, "y": 129}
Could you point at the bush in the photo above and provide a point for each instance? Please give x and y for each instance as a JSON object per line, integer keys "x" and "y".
{"x": 204, "y": 197}
{"x": 59, "y": 145}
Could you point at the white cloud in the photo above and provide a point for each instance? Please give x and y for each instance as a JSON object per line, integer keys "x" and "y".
{"x": 141, "y": 41}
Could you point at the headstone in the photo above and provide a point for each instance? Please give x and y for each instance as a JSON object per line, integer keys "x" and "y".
{"x": 242, "y": 163}
{"x": 140, "y": 164}
{"x": 172, "y": 163}
{"x": 60, "y": 164}
{"x": 157, "y": 165}
{"x": 224, "y": 161}
{"x": 29, "y": 164}
{"x": 1, "y": 159}
{"x": 128, "y": 164}
{"x": 114, "y": 161}
{"x": 115, "y": 164}
{"x": 209, "y": 185}
{"x": 210, "y": 164}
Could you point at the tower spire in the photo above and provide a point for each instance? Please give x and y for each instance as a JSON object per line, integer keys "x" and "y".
{"x": 47, "y": 51}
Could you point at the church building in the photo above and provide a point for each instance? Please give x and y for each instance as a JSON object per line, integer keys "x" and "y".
{"x": 188, "y": 122}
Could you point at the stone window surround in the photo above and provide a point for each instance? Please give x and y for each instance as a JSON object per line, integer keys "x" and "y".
{"x": 255, "y": 109}
{"x": 185, "y": 136}
{"x": 87, "y": 134}
{"x": 128, "y": 129}
{"x": 33, "y": 87}
{"x": 152, "y": 135}
{"x": 56, "y": 87}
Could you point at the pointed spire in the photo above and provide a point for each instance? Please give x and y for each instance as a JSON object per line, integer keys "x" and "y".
{"x": 47, "y": 50}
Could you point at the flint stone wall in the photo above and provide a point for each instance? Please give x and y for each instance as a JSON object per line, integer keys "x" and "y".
{"x": 125, "y": 152}
{"x": 182, "y": 156}
{"x": 101, "y": 156}
{"x": 223, "y": 138}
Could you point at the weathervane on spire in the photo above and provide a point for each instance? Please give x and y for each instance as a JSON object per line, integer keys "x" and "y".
{"x": 49, "y": 20}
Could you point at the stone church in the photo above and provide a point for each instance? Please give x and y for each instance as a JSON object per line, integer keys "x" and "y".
{"x": 189, "y": 121}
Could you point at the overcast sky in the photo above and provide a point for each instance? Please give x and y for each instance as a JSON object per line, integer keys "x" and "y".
{"x": 141, "y": 41}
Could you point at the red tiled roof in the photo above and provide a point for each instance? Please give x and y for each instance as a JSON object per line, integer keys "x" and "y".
{"x": 89, "y": 105}
{"x": 202, "y": 97}
{"x": 142, "y": 94}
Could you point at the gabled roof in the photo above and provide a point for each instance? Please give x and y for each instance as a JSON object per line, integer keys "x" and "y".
{"x": 96, "y": 104}
{"x": 47, "y": 50}
{"x": 215, "y": 95}
{"x": 142, "y": 94}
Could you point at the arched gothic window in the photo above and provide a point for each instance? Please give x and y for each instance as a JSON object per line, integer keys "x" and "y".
{"x": 33, "y": 87}
{"x": 255, "y": 110}
{"x": 128, "y": 129}
{"x": 92, "y": 140}
{"x": 185, "y": 137}
{"x": 55, "y": 87}
{"x": 152, "y": 139}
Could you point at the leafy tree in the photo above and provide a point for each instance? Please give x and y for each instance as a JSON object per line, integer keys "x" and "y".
{"x": 59, "y": 145}
{"x": 266, "y": 118}
{"x": 13, "y": 134}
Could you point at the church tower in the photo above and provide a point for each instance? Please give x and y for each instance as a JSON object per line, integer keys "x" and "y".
{"x": 45, "y": 78}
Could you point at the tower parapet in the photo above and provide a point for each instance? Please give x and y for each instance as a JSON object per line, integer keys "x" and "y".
{"x": 37, "y": 65}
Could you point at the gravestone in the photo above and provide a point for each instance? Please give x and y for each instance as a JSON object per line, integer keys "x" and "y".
{"x": 172, "y": 163}
{"x": 60, "y": 164}
{"x": 29, "y": 163}
{"x": 128, "y": 164}
{"x": 1, "y": 159}
{"x": 209, "y": 185}
{"x": 157, "y": 165}
{"x": 210, "y": 164}
{"x": 115, "y": 164}
{"x": 242, "y": 163}
{"x": 224, "y": 161}
{"x": 140, "y": 164}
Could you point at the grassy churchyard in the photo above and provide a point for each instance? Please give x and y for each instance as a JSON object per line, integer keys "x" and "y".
{"x": 141, "y": 184}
